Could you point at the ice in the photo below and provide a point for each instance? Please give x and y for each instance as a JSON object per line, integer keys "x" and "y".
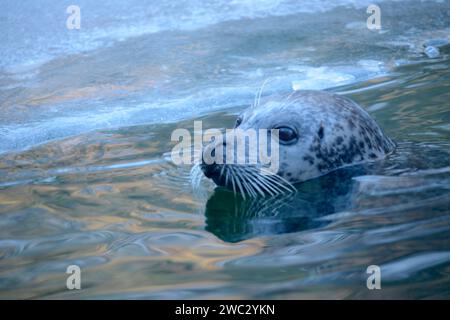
{"x": 132, "y": 63}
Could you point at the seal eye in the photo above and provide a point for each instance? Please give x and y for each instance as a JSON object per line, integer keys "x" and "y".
{"x": 287, "y": 135}
{"x": 238, "y": 122}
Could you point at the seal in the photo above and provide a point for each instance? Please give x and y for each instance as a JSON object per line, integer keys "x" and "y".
{"x": 318, "y": 133}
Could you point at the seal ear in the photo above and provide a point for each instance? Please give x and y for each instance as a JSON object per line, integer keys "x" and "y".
{"x": 320, "y": 132}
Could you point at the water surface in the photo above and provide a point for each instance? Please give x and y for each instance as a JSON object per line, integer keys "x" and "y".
{"x": 86, "y": 176}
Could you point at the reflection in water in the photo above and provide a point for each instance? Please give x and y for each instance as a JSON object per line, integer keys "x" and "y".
{"x": 232, "y": 218}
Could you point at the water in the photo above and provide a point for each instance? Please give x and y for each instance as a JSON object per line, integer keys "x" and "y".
{"x": 85, "y": 170}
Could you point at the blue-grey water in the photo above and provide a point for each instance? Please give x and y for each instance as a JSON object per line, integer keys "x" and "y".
{"x": 85, "y": 171}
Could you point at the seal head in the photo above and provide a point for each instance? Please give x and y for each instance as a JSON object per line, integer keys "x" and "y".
{"x": 318, "y": 132}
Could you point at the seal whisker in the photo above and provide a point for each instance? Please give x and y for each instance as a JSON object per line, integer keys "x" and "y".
{"x": 221, "y": 172}
{"x": 259, "y": 92}
{"x": 232, "y": 180}
{"x": 251, "y": 185}
{"x": 270, "y": 184}
{"x": 240, "y": 178}
{"x": 239, "y": 184}
{"x": 263, "y": 181}
{"x": 286, "y": 100}
{"x": 245, "y": 182}
{"x": 249, "y": 188}
{"x": 255, "y": 183}
{"x": 283, "y": 183}
{"x": 195, "y": 176}
{"x": 227, "y": 175}
{"x": 287, "y": 185}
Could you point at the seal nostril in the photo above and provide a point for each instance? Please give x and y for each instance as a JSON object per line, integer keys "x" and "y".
{"x": 320, "y": 132}
{"x": 213, "y": 154}
{"x": 209, "y": 170}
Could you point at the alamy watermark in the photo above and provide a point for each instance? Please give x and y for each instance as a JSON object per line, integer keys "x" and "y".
{"x": 74, "y": 280}
{"x": 374, "y": 280}
{"x": 374, "y": 20}
{"x": 74, "y": 19}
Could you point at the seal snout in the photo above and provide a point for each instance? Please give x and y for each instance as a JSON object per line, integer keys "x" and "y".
{"x": 210, "y": 168}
